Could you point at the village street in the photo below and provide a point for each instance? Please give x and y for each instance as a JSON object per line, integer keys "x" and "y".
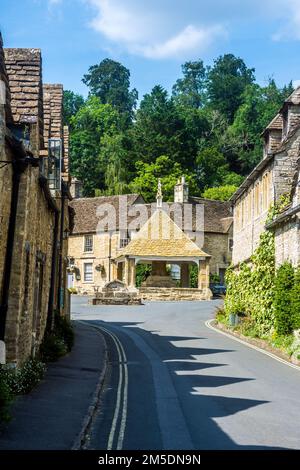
{"x": 173, "y": 383}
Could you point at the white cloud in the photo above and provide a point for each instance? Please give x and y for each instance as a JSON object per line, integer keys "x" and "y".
{"x": 149, "y": 34}
{"x": 289, "y": 11}
{"x": 190, "y": 39}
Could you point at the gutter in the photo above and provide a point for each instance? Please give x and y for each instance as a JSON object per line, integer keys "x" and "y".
{"x": 282, "y": 217}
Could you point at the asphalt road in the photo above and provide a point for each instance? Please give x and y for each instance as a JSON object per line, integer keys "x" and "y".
{"x": 172, "y": 383}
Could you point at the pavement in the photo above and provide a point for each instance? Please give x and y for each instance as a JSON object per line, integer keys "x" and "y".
{"x": 52, "y": 416}
{"x": 173, "y": 383}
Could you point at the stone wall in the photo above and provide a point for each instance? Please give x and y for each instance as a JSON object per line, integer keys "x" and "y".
{"x": 34, "y": 237}
{"x": 250, "y": 216}
{"x": 217, "y": 245}
{"x": 99, "y": 257}
{"x": 287, "y": 242}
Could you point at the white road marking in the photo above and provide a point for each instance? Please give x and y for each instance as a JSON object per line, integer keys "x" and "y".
{"x": 208, "y": 323}
{"x": 123, "y": 364}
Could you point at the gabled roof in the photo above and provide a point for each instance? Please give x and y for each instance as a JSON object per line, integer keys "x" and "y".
{"x": 85, "y": 219}
{"x": 275, "y": 124}
{"x": 160, "y": 237}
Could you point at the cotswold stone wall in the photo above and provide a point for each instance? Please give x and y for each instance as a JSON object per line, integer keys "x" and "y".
{"x": 217, "y": 245}
{"x": 287, "y": 242}
{"x": 5, "y": 170}
{"x": 33, "y": 244}
{"x": 99, "y": 256}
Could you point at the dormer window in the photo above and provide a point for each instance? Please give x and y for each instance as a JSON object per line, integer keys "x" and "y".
{"x": 285, "y": 120}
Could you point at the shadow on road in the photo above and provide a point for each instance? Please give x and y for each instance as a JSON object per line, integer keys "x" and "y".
{"x": 185, "y": 366}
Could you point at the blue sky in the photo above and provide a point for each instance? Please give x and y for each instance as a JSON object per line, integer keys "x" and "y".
{"x": 154, "y": 37}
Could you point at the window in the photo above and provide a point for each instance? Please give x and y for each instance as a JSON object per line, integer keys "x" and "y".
{"x": 54, "y": 163}
{"x": 88, "y": 243}
{"x": 230, "y": 244}
{"x": 124, "y": 239}
{"x": 88, "y": 272}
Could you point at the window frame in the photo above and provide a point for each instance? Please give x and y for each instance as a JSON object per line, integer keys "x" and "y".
{"x": 85, "y": 272}
{"x": 84, "y": 244}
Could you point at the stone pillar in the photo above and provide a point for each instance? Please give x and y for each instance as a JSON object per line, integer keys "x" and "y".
{"x": 203, "y": 274}
{"x": 132, "y": 273}
{"x": 126, "y": 271}
{"x": 120, "y": 271}
{"x": 184, "y": 275}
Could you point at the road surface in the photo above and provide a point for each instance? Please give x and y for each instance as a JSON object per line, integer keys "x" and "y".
{"x": 172, "y": 383}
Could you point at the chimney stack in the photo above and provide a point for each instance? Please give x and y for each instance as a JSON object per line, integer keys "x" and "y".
{"x": 181, "y": 191}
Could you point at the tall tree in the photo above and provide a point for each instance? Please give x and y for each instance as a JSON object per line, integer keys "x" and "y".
{"x": 92, "y": 123}
{"x": 227, "y": 80}
{"x": 110, "y": 82}
{"x": 72, "y": 102}
{"x": 190, "y": 90}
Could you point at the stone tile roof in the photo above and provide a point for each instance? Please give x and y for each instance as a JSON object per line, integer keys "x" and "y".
{"x": 217, "y": 214}
{"x": 85, "y": 219}
{"x": 52, "y": 107}
{"x": 161, "y": 237}
{"x": 275, "y": 124}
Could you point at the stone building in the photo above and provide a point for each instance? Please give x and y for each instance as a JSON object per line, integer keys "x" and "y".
{"x": 33, "y": 206}
{"x": 95, "y": 256}
{"x": 277, "y": 174}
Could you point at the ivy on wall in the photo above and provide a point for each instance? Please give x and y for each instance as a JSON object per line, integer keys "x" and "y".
{"x": 250, "y": 290}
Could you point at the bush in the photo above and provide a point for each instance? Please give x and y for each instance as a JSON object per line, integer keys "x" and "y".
{"x": 295, "y": 305}
{"x": 6, "y": 397}
{"x": 64, "y": 330}
{"x": 52, "y": 348}
{"x": 284, "y": 283}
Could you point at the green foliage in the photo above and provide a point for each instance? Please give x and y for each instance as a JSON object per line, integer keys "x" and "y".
{"x": 142, "y": 272}
{"x": 210, "y": 128}
{"x": 163, "y": 167}
{"x": 227, "y": 80}
{"x": 284, "y": 283}
{"x": 110, "y": 82}
{"x": 189, "y": 91}
{"x": 6, "y": 396}
{"x": 279, "y": 206}
{"x": 295, "y": 305}
{"x": 59, "y": 342}
{"x": 193, "y": 270}
{"x": 221, "y": 193}
{"x": 72, "y": 102}
{"x": 214, "y": 278}
{"x": 250, "y": 291}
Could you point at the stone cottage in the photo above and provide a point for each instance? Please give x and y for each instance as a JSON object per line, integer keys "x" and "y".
{"x": 94, "y": 255}
{"x": 34, "y": 218}
{"x": 277, "y": 174}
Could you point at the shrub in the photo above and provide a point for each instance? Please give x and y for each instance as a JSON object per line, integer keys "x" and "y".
{"x": 295, "y": 301}
{"x": 284, "y": 283}
{"x": 52, "y": 348}
{"x": 64, "y": 330}
{"x": 6, "y": 397}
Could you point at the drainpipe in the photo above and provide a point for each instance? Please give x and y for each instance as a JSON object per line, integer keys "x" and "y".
{"x": 61, "y": 241}
{"x": 50, "y": 318}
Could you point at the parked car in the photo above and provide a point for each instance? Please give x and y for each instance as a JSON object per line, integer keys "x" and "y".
{"x": 218, "y": 289}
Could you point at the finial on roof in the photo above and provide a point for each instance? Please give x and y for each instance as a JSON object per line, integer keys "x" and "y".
{"x": 159, "y": 197}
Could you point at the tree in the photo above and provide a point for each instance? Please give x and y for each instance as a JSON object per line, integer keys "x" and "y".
{"x": 227, "y": 80}
{"x": 90, "y": 125}
{"x": 211, "y": 167}
{"x": 72, "y": 102}
{"x": 145, "y": 183}
{"x": 162, "y": 128}
{"x": 220, "y": 193}
{"x": 190, "y": 90}
{"x": 110, "y": 82}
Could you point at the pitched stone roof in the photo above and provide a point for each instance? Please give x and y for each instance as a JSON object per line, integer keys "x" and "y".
{"x": 217, "y": 214}
{"x": 161, "y": 237}
{"x": 275, "y": 124}
{"x": 85, "y": 219}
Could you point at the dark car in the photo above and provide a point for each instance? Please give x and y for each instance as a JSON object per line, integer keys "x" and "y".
{"x": 218, "y": 289}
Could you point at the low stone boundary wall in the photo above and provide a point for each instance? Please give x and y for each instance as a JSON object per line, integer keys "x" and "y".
{"x": 174, "y": 293}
